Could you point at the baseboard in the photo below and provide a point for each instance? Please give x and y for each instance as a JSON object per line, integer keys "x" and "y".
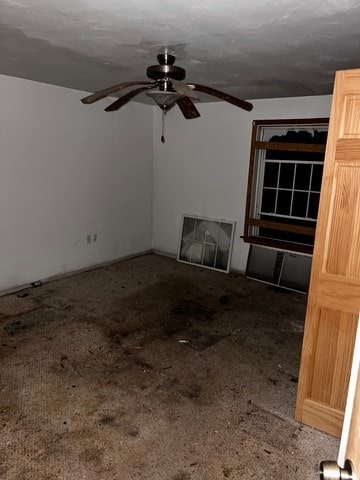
{"x": 163, "y": 254}
{"x": 59, "y": 276}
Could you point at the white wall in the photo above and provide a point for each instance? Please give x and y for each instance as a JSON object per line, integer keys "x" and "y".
{"x": 202, "y": 168}
{"x": 68, "y": 170}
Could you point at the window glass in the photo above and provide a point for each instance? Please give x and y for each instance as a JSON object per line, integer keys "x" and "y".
{"x": 271, "y": 174}
{"x": 287, "y": 175}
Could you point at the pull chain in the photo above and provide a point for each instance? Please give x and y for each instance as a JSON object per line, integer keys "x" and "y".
{"x": 163, "y": 126}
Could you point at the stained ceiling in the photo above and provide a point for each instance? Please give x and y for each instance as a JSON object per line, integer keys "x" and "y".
{"x": 251, "y": 49}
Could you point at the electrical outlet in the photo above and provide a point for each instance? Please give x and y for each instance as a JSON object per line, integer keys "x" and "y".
{"x": 95, "y": 237}
{"x": 88, "y": 238}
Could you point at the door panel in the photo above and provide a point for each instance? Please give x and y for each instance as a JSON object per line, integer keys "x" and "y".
{"x": 334, "y": 294}
{"x": 342, "y": 252}
{"x": 333, "y": 337}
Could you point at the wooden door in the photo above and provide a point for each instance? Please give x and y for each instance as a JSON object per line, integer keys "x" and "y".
{"x": 334, "y": 293}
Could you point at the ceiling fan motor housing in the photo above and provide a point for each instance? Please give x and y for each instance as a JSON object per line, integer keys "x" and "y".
{"x": 166, "y": 69}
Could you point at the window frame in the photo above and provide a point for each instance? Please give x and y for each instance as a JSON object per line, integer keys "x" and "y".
{"x": 253, "y": 184}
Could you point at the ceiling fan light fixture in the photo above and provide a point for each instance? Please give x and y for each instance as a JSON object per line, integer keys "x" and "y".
{"x": 165, "y": 100}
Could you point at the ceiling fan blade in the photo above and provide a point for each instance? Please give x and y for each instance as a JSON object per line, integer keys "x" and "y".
{"x": 223, "y": 96}
{"x": 120, "y": 102}
{"x": 187, "y": 108}
{"x": 94, "y": 97}
{"x": 182, "y": 88}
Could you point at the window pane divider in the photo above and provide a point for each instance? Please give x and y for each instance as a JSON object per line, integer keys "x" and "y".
{"x": 277, "y": 215}
{"x": 308, "y": 197}
{"x": 293, "y": 162}
{"x": 293, "y": 190}
{"x": 277, "y": 189}
{"x": 290, "y": 189}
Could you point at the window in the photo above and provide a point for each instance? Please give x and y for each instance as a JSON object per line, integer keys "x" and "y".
{"x": 206, "y": 242}
{"x": 288, "y": 270}
{"x": 286, "y": 165}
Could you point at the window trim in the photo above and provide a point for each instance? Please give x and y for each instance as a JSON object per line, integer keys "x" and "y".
{"x": 250, "y": 220}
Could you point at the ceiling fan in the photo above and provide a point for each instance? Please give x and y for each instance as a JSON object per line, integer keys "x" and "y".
{"x": 166, "y": 89}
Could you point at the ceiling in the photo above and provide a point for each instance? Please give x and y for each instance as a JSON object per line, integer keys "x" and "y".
{"x": 251, "y": 49}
